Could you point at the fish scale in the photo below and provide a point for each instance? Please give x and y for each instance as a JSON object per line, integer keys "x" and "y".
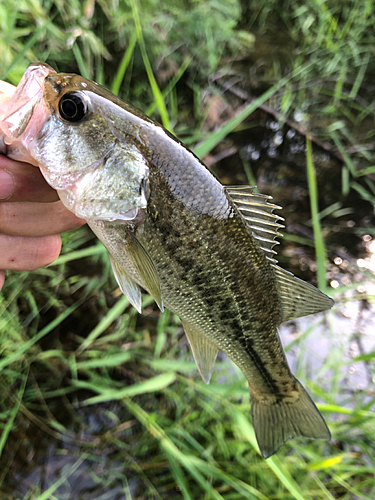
{"x": 203, "y": 250}
{"x": 228, "y": 323}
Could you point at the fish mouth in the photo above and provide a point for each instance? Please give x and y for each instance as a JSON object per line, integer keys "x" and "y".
{"x": 25, "y": 104}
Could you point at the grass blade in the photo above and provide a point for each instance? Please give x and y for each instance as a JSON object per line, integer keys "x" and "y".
{"x": 117, "y": 81}
{"x": 98, "y": 249}
{"x": 105, "y": 362}
{"x": 154, "y": 86}
{"x": 274, "y": 463}
{"x": 318, "y": 236}
{"x": 177, "y": 473}
{"x": 342, "y": 150}
{"x": 171, "y": 85}
{"x": 153, "y": 384}
{"x": 360, "y": 76}
{"x": 110, "y": 317}
{"x": 48, "y": 493}
{"x": 80, "y": 61}
{"x": 10, "y": 419}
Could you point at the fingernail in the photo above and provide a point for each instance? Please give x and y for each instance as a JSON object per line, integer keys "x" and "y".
{"x": 6, "y": 185}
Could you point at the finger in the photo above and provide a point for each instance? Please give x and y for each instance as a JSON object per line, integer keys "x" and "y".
{"x": 23, "y": 182}
{"x": 7, "y": 88}
{"x": 20, "y": 253}
{"x": 6, "y": 91}
{"x": 36, "y": 219}
{"x": 2, "y": 278}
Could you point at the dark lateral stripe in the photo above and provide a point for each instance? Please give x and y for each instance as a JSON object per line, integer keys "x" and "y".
{"x": 267, "y": 377}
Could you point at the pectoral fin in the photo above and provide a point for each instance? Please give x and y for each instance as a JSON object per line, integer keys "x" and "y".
{"x": 127, "y": 285}
{"x": 204, "y": 351}
{"x": 145, "y": 268}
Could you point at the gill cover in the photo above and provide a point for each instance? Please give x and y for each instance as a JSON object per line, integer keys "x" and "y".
{"x": 98, "y": 174}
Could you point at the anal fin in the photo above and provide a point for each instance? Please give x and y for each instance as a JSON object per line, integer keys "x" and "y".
{"x": 127, "y": 285}
{"x": 204, "y": 351}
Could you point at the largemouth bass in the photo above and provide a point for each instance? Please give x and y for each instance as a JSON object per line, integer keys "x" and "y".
{"x": 203, "y": 250}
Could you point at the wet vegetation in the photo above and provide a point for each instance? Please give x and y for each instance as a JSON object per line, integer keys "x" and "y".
{"x": 97, "y": 401}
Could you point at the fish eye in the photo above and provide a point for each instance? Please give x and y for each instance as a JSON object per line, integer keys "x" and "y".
{"x": 72, "y": 107}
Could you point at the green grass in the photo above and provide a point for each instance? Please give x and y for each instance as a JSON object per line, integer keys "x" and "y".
{"x": 113, "y": 397}
{"x": 318, "y": 236}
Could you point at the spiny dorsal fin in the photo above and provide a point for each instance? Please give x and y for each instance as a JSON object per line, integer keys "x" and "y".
{"x": 297, "y": 297}
{"x": 127, "y": 285}
{"x": 204, "y": 351}
{"x": 258, "y": 213}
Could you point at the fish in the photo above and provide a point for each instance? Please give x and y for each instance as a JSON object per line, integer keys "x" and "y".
{"x": 201, "y": 249}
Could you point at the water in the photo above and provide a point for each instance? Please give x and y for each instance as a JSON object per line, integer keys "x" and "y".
{"x": 338, "y": 337}
{"x": 87, "y": 468}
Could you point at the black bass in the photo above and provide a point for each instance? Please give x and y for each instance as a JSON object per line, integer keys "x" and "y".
{"x": 202, "y": 250}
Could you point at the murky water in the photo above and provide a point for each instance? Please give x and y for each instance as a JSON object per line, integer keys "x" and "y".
{"x": 86, "y": 468}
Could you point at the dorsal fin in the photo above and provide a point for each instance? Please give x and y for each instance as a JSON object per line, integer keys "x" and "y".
{"x": 297, "y": 297}
{"x": 258, "y": 213}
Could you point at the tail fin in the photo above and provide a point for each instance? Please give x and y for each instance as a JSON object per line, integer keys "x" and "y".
{"x": 276, "y": 419}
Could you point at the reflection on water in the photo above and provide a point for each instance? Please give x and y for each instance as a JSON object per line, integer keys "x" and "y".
{"x": 334, "y": 339}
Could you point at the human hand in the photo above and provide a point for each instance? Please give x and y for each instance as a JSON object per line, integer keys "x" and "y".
{"x": 30, "y": 218}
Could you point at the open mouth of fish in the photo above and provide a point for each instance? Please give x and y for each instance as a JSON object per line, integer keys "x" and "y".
{"x": 26, "y": 103}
